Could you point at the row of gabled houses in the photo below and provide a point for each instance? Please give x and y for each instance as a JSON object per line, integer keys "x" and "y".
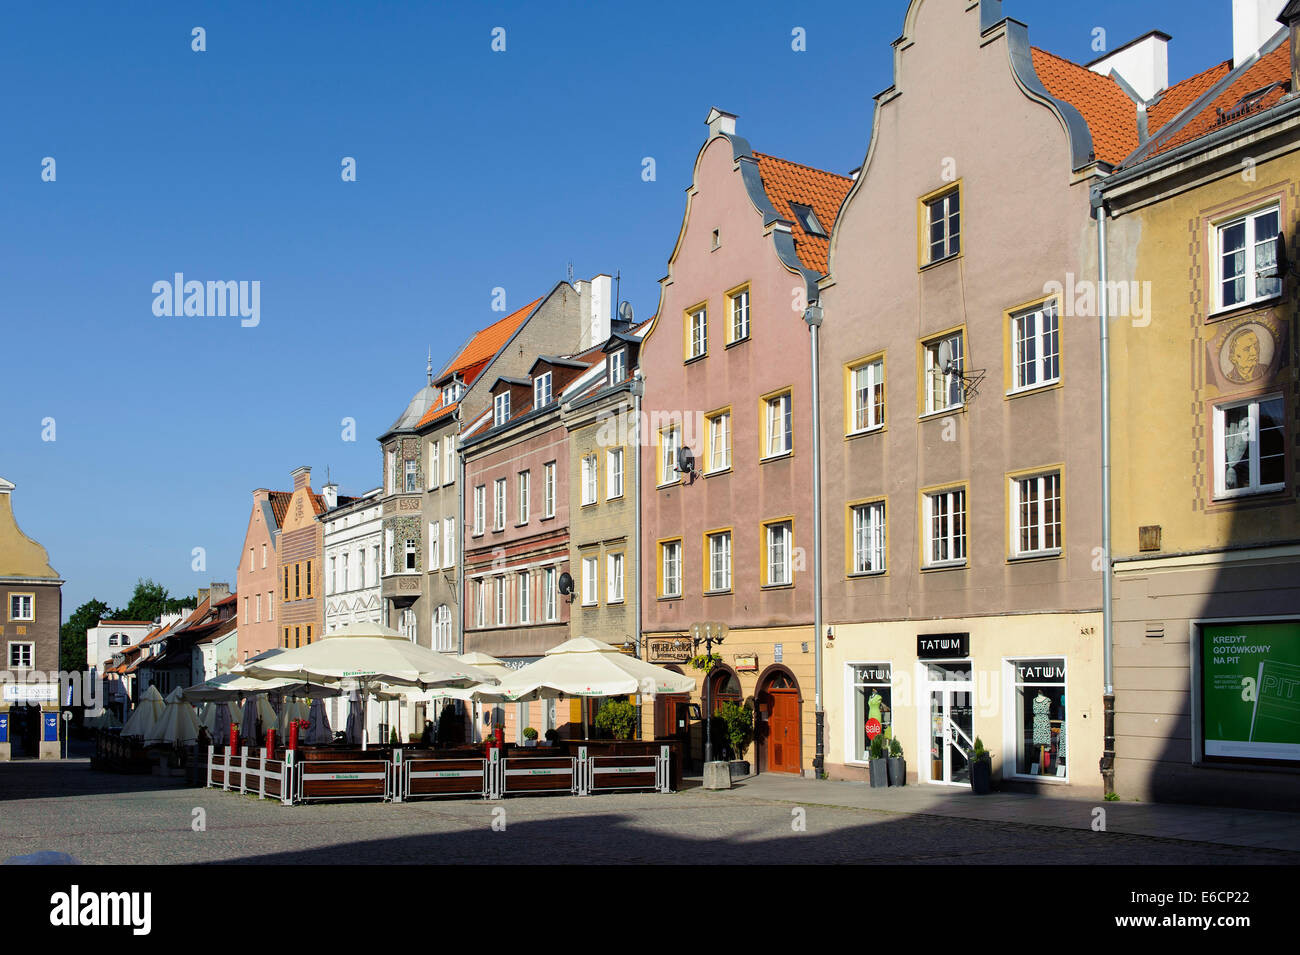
{"x": 993, "y": 438}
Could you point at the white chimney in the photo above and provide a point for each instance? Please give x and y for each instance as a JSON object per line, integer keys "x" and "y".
{"x": 1142, "y": 63}
{"x": 1254, "y": 22}
{"x": 599, "y": 311}
{"x": 720, "y": 121}
{"x": 330, "y": 493}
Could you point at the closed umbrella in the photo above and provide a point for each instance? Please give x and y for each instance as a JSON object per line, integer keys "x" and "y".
{"x": 145, "y": 715}
{"x": 248, "y": 720}
{"x": 104, "y": 720}
{"x": 178, "y": 723}
{"x": 292, "y": 709}
{"x": 356, "y": 720}
{"x": 319, "y": 731}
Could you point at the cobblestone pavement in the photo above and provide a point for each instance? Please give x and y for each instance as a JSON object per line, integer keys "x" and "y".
{"x": 106, "y": 818}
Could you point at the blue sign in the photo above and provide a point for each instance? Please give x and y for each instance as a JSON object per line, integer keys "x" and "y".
{"x": 51, "y": 723}
{"x": 4, "y": 727}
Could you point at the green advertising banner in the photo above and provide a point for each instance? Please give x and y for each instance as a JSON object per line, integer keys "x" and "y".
{"x": 1250, "y": 690}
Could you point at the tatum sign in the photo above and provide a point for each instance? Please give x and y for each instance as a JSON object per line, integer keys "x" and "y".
{"x": 1250, "y": 691}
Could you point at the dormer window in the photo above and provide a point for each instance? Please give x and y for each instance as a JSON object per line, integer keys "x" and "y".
{"x": 542, "y": 390}
{"x": 501, "y": 409}
{"x": 617, "y": 366}
{"x": 451, "y": 393}
{"x": 808, "y": 220}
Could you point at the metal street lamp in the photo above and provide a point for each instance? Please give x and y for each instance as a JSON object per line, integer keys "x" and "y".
{"x": 707, "y": 634}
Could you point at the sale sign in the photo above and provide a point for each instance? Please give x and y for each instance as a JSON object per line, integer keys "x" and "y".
{"x": 873, "y": 728}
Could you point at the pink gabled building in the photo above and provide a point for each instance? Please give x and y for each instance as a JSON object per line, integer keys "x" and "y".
{"x": 727, "y": 367}
{"x": 257, "y": 572}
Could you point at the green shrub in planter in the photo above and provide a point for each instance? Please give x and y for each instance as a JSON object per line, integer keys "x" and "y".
{"x": 981, "y": 769}
{"x": 617, "y": 718}
{"x": 877, "y": 763}
{"x": 738, "y": 719}
{"x": 897, "y": 765}
{"x": 530, "y": 733}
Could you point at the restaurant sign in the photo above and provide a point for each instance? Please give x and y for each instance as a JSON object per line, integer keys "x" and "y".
{"x": 670, "y": 649}
{"x": 746, "y": 662}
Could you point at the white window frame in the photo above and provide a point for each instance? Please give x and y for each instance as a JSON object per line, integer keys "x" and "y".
{"x": 778, "y": 568}
{"x": 23, "y": 648}
{"x": 590, "y": 481}
{"x": 435, "y": 550}
{"x": 943, "y": 204}
{"x": 590, "y": 581}
{"x": 392, "y": 472}
{"x": 1249, "y": 254}
{"x": 500, "y": 588}
{"x": 22, "y": 617}
{"x": 698, "y": 333}
{"x": 523, "y": 580}
{"x": 442, "y": 638}
{"x": 950, "y": 497}
{"x": 433, "y": 465}
{"x": 411, "y": 468}
{"x": 449, "y": 459}
{"x": 542, "y": 391}
{"x": 719, "y": 561}
{"x": 501, "y": 409}
{"x": 778, "y": 410}
{"x": 499, "y": 504}
{"x": 949, "y": 378}
{"x": 1221, "y": 490}
{"x": 614, "y": 578}
{"x": 449, "y": 542}
{"x": 670, "y": 442}
{"x": 617, "y": 366}
{"x": 480, "y": 610}
{"x": 864, "y": 414}
{"x": 410, "y": 556}
{"x": 869, "y": 530}
{"x": 523, "y": 479}
{"x": 718, "y": 452}
{"x": 738, "y": 308}
{"x": 1042, "y": 484}
{"x": 480, "y": 506}
{"x": 670, "y": 556}
{"x": 550, "y": 602}
{"x": 613, "y": 473}
{"x": 548, "y": 489}
{"x": 1043, "y": 366}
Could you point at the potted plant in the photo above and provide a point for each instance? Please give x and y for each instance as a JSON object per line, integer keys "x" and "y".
{"x": 617, "y": 718}
{"x": 981, "y": 769}
{"x": 530, "y": 736}
{"x": 897, "y": 764}
{"x": 552, "y": 737}
{"x": 878, "y": 764}
{"x": 738, "y": 724}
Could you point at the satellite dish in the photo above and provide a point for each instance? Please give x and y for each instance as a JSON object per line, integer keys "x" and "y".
{"x": 625, "y": 312}
{"x": 1283, "y": 266}
{"x": 945, "y": 355}
{"x": 566, "y": 584}
{"x": 685, "y": 460}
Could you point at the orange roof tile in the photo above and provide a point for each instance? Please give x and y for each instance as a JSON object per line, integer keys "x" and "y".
{"x": 1181, "y": 95}
{"x": 788, "y": 182}
{"x": 280, "y": 506}
{"x": 1110, "y": 114}
{"x": 1258, "y": 89}
{"x": 473, "y": 358}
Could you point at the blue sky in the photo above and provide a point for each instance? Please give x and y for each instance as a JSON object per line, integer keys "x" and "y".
{"x": 475, "y": 169}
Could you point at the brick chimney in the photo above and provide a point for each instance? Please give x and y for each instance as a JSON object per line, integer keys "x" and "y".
{"x": 301, "y": 478}
{"x": 218, "y": 592}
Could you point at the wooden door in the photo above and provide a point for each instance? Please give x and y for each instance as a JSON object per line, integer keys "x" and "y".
{"x": 783, "y": 743}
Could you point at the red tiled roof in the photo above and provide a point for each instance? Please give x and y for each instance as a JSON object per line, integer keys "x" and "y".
{"x": 1181, "y": 95}
{"x": 788, "y": 182}
{"x": 1110, "y": 114}
{"x": 473, "y": 358}
{"x": 280, "y": 506}
{"x": 1258, "y": 89}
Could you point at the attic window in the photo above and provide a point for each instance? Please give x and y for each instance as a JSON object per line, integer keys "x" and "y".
{"x": 542, "y": 390}
{"x": 1248, "y": 103}
{"x": 501, "y": 409}
{"x": 808, "y": 219}
{"x": 717, "y": 241}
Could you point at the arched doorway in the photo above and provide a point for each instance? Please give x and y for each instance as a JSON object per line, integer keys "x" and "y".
{"x": 724, "y": 687}
{"x": 780, "y": 720}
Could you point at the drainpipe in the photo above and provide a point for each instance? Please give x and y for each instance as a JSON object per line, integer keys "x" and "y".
{"x": 460, "y": 533}
{"x": 638, "y": 391}
{"x": 813, "y": 316}
{"x": 1107, "y": 614}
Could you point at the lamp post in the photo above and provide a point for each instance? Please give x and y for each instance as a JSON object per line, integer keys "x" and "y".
{"x": 712, "y": 633}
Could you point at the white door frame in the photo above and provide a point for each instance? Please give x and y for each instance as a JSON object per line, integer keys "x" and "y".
{"x": 924, "y": 725}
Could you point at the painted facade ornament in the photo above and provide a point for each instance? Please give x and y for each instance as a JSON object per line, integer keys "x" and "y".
{"x": 1246, "y": 352}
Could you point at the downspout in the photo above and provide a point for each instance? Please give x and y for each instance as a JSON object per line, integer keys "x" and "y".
{"x": 1107, "y": 614}
{"x": 638, "y": 390}
{"x": 813, "y": 316}
{"x": 461, "y": 602}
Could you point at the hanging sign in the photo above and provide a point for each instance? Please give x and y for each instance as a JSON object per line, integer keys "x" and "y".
{"x": 669, "y": 649}
{"x": 942, "y": 646}
{"x": 746, "y": 662}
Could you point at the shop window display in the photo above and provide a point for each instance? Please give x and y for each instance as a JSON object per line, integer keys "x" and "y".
{"x": 1042, "y": 745}
{"x": 873, "y": 706}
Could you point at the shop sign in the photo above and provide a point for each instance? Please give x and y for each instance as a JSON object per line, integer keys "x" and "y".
{"x": 746, "y": 662}
{"x": 1250, "y": 691}
{"x": 876, "y": 673}
{"x": 942, "y": 646}
{"x": 670, "y": 649}
{"x": 873, "y": 728}
{"x": 31, "y": 692}
{"x": 1040, "y": 671}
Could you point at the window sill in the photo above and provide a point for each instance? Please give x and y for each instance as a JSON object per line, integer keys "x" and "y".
{"x": 614, "y": 603}
{"x": 521, "y": 524}
{"x": 718, "y": 471}
{"x": 694, "y": 358}
{"x": 669, "y": 598}
{"x": 718, "y": 593}
{"x": 660, "y": 487}
{"x": 547, "y": 517}
{"x": 1033, "y": 389}
{"x": 875, "y": 429}
{"x": 1030, "y": 556}
{"x": 947, "y": 565}
{"x": 863, "y": 574}
{"x": 789, "y": 586}
{"x": 780, "y": 456}
{"x": 938, "y": 262}
{"x": 1242, "y": 308}
{"x": 1227, "y": 497}
{"x": 941, "y": 413}
{"x": 738, "y": 341}
{"x": 616, "y": 497}
{"x": 588, "y": 504}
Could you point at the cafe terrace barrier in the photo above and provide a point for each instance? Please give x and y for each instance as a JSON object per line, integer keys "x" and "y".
{"x": 352, "y": 774}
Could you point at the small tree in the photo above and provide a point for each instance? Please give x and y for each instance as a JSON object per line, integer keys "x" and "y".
{"x": 738, "y": 722}
{"x": 617, "y": 718}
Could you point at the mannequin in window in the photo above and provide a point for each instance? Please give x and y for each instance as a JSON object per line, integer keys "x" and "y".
{"x": 1042, "y": 730}
{"x": 875, "y": 706}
